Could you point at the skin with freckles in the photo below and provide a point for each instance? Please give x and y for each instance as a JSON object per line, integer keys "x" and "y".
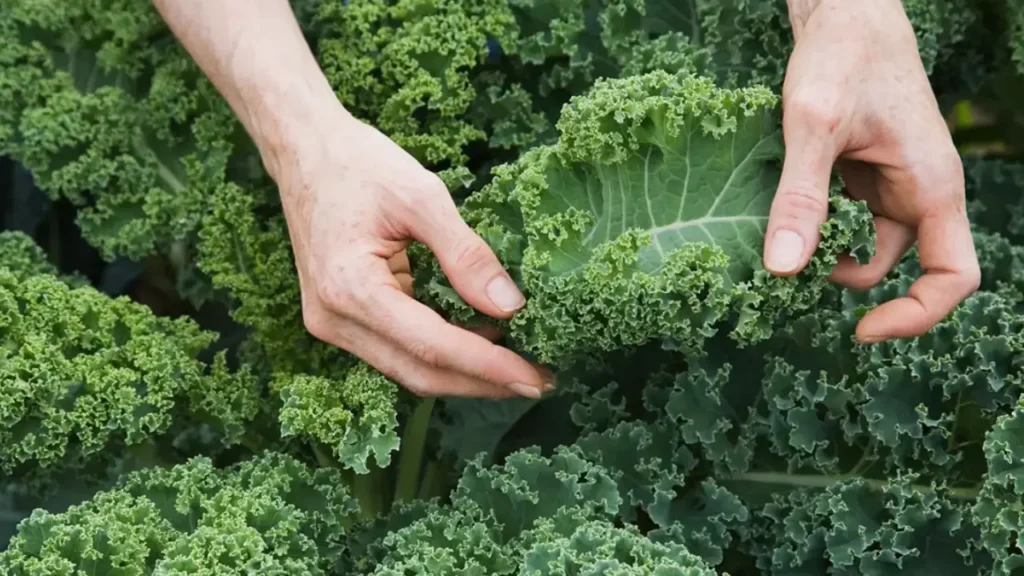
{"x": 855, "y": 95}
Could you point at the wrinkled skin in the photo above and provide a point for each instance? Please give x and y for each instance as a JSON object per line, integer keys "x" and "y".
{"x": 855, "y": 91}
{"x": 856, "y": 96}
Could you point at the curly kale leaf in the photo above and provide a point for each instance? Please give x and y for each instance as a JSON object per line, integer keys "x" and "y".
{"x": 816, "y": 455}
{"x": 530, "y": 516}
{"x": 854, "y": 458}
{"x": 735, "y": 41}
{"x": 272, "y": 515}
{"x": 940, "y": 27}
{"x": 22, "y": 257}
{"x": 1002, "y": 267}
{"x": 82, "y": 373}
{"x": 109, "y": 115}
{"x": 646, "y": 221}
{"x": 602, "y": 547}
{"x": 740, "y": 42}
{"x": 879, "y": 528}
{"x": 355, "y": 417}
{"x": 999, "y": 510}
{"x": 811, "y": 402}
{"x": 1016, "y": 23}
{"x": 995, "y": 195}
{"x": 80, "y": 370}
{"x": 407, "y": 67}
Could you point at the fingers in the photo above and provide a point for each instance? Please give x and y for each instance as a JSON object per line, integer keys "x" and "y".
{"x": 892, "y": 242}
{"x": 491, "y": 333}
{"x": 415, "y": 376}
{"x": 399, "y": 263}
{"x": 467, "y": 261}
{"x": 363, "y": 309}
{"x": 423, "y": 334}
{"x": 800, "y": 205}
{"x": 400, "y": 268}
{"x": 951, "y": 274}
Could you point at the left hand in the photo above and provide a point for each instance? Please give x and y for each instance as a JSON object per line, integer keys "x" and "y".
{"x": 856, "y": 94}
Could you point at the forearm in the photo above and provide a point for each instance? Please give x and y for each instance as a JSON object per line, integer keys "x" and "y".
{"x": 254, "y": 53}
{"x": 800, "y": 12}
{"x": 876, "y": 11}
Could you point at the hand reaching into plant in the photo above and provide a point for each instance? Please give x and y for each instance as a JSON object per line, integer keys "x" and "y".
{"x": 352, "y": 209}
{"x": 354, "y": 200}
{"x": 856, "y": 94}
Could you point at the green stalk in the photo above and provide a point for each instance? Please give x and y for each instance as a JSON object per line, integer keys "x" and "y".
{"x": 434, "y": 480}
{"x": 323, "y": 456}
{"x": 410, "y": 456}
{"x": 368, "y": 491}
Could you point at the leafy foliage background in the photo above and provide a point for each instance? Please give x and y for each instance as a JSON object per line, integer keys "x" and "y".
{"x": 163, "y": 410}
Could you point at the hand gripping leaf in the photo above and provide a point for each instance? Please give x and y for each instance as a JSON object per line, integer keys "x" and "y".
{"x": 646, "y": 221}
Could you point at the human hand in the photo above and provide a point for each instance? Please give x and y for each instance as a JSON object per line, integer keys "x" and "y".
{"x": 856, "y": 94}
{"x": 354, "y": 201}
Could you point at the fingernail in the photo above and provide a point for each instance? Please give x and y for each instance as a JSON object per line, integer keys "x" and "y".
{"x": 524, "y": 390}
{"x": 504, "y": 293}
{"x": 785, "y": 251}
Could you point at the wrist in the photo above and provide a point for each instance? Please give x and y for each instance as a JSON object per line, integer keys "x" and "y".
{"x": 801, "y": 9}
{"x": 799, "y": 12}
{"x": 291, "y": 126}
{"x": 842, "y": 16}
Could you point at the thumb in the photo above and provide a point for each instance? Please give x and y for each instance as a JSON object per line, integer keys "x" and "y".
{"x": 800, "y": 205}
{"x": 468, "y": 262}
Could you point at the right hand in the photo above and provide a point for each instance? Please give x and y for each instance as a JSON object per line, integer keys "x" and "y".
{"x": 354, "y": 202}
{"x": 856, "y": 95}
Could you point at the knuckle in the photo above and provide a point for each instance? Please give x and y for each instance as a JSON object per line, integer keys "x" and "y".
{"x": 470, "y": 252}
{"x": 331, "y": 295}
{"x": 426, "y": 353}
{"x": 420, "y": 193}
{"x": 870, "y": 279}
{"x": 342, "y": 290}
{"x": 866, "y": 280}
{"x": 419, "y": 386}
{"x": 800, "y": 203}
{"x": 815, "y": 111}
{"x": 972, "y": 279}
{"x": 395, "y": 374}
{"x": 317, "y": 323}
{"x": 434, "y": 186}
{"x": 940, "y": 171}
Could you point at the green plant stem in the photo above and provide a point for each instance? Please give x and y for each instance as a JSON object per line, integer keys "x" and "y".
{"x": 818, "y": 481}
{"x": 410, "y": 456}
{"x": 866, "y": 459}
{"x": 323, "y": 456}
{"x": 956, "y": 420}
{"x": 434, "y": 480}
{"x": 368, "y": 490}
